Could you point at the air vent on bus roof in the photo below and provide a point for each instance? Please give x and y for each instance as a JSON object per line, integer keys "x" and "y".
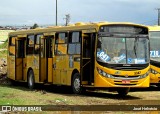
{"x": 79, "y": 23}
{"x": 103, "y": 22}
{"x": 71, "y": 24}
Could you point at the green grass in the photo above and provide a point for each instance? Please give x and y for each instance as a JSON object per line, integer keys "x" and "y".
{"x": 4, "y": 45}
{"x": 15, "y": 96}
{"x": 23, "y": 96}
{"x": 4, "y": 34}
{"x": 3, "y": 54}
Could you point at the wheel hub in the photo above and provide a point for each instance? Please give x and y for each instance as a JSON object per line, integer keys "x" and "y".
{"x": 77, "y": 84}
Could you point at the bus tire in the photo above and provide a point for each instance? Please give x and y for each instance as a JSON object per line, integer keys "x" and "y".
{"x": 31, "y": 79}
{"x": 76, "y": 85}
{"x": 123, "y": 91}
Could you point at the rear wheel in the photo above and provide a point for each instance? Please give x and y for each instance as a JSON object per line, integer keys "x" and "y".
{"x": 123, "y": 91}
{"x": 31, "y": 79}
{"x": 76, "y": 85}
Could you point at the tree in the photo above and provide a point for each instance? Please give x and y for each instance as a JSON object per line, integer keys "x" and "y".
{"x": 67, "y": 18}
{"x": 34, "y": 26}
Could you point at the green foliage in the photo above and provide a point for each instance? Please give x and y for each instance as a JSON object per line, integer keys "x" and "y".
{"x": 3, "y": 53}
{"x": 4, "y": 45}
{"x": 3, "y": 49}
{"x": 34, "y": 26}
{"x": 4, "y": 34}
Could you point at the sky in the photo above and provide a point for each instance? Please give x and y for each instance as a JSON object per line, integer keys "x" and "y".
{"x": 43, "y": 12}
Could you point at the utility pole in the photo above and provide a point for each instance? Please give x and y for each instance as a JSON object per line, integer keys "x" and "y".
{"x": 158, "y": 16}
{"x": 56, "y": 12}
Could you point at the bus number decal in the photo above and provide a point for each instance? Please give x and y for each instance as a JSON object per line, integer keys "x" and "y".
{"x": 137, "y": 73}
{"x": 103, "y": 56}
{"x": 155, "y": 53}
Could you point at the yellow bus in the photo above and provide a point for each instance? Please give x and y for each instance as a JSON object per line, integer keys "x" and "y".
{"x": 84, "y": 55}
{"x": 154, "y": 35}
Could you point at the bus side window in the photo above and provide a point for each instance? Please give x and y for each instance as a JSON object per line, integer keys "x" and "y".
{"x": 12, "y": 46}
{"x": 20, "y": 49}
{"x": 74, "y": 43}
{"x": 30, "y": 44}
{"x": 61, "y": 43}
{"x": 37, "y": 44}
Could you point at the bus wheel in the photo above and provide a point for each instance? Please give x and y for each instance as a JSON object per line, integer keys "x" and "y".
{"x": 123, "y": 91}
{"x": 76, "y": 85}
{"x": 31, "y": 79}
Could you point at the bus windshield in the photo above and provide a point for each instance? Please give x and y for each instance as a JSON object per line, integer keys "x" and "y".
{"x": 154, "y": 46}
{"x": 122, "y": 50}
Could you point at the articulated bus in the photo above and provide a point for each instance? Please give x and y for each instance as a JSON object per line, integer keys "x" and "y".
{"x": 154, "y": 35}
{"x": 83, "y": 56}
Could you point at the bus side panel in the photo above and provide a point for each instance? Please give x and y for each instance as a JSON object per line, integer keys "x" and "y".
{"x": 63, "y": 70}
{"x": 36, "y": 68}
{"x": 72, "y": 64}
{"x": 32, "y": 63}
{"x": 25, "y": 69}
{"x": 60, "y": 66}
{"x": 11, "y": 67}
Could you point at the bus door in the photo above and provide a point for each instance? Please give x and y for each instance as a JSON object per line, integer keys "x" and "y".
{"x": 87, "y": 56}
{"x": 19, "y": 58}
{"x": 43, "y": 75}
{"x": 59, "y": 61}
{"x": 49, "y": 56}
{"x": 46, "y": 74}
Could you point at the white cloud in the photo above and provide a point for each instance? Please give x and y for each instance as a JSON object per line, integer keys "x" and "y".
{"x": 43, "y": 11}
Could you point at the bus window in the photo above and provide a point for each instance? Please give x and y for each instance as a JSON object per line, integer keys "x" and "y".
{"x": 12, "y": 46}
{"x": 49, "y": 47}
{"x": 74, "y": 43}
{"x": 20, "y": 49}
{"x": 61, "y": 44}
{"x": 30, "y": 44}
{"x": 37, "y": 46}
{"x": 12, "y": 41}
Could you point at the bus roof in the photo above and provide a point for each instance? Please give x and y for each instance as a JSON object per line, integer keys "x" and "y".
{"x": 76, "y": 26}
{"x": 154, "y": 28}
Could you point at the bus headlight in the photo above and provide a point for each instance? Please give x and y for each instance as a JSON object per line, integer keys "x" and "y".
{"x": 153, "y": 71}
{"x": 109, "y": 76}
{"x": 101, "y": 72}
{"x": 104, "y": 74}
{"x": 145, "y": 75}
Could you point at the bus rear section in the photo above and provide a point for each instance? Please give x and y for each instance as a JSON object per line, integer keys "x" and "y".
{"x": 154, "y": 35}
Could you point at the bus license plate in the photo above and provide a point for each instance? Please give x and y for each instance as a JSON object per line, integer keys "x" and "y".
{"x": 125, "y": 81}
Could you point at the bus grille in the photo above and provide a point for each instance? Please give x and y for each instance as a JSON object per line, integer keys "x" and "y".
{"x": 125, "y": 84}
{"x": 126, "y": 78}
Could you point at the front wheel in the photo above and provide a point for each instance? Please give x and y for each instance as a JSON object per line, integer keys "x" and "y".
{"x": 123, "y": 91}
{"x": 76, "y": 85}
{"x": 31, "y": 79}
